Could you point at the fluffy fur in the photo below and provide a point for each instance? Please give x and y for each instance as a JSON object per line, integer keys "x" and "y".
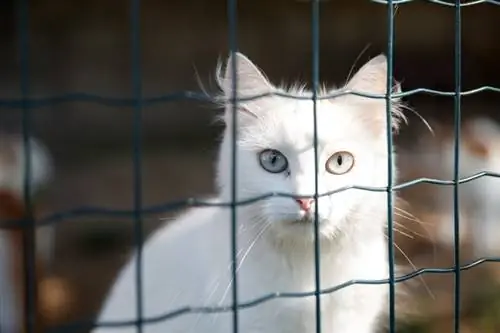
{"x": 187, "y": 262}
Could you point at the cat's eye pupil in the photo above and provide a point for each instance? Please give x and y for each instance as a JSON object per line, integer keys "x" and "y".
{"x": 340, "y": 163}
{"x": 273, "y": 161}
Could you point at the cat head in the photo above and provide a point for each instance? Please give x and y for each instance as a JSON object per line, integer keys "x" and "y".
{"x": 275, "y": 150}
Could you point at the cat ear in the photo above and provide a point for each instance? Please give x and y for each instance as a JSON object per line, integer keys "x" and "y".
{"x": 371, "y": 78}
{"x": 251, "y": 81}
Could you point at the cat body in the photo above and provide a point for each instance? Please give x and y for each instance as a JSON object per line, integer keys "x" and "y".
{"x": 187, "y": 263}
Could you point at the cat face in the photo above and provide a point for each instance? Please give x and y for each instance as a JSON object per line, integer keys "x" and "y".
{"x": 275, "y": 151}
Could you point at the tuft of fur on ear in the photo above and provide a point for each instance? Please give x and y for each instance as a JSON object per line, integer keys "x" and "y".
{"x": 371, "y": 78}
{"x": 251, "y": 81}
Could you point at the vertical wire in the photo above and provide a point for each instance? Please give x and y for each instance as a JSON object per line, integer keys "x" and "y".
{"x": 390, "y": 172}
{"x": 30, "y": 288}
{"x": 315, "y": 82}
{"x": 233, "y": 47}
{"x": 135, "y": 7}
{"x": 456, "y": 174}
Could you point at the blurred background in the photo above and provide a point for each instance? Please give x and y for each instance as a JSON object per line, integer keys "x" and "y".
{"x": 85, "y": 46}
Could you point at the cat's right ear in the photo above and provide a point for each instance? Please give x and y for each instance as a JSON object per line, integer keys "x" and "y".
{"x": 250, "y": 81}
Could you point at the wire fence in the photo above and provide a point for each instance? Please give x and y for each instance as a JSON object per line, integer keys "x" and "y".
{"x": 27, "y": 104}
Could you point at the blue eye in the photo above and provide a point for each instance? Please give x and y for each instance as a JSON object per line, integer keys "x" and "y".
{"x": 273, "y": 161}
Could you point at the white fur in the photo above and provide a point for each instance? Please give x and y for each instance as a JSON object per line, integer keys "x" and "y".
{"x": 187, "y": 263}
{"x": 12, "y": 167}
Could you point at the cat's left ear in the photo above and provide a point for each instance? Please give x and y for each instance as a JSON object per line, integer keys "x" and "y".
{"x": 371, "y": 78}
{"x": 251, "y": 81}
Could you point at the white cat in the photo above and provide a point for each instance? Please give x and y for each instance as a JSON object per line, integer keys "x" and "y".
{"x": 187, "y": 262}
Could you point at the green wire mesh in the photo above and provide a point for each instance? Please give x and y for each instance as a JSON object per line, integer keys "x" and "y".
{"x": 27, "y": 104}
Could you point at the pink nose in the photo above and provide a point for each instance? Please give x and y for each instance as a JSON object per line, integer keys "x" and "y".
{"x": 305, "y": 204}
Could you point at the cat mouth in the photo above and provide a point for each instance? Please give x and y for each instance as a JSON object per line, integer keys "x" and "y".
{"x": 306, "y": 219}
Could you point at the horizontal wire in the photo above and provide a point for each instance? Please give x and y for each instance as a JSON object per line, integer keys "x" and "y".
{"x": 266, "y": 298}
{"x": 194, "y": 202}
{"x": 443, "y": 3}
{"x": 17, "y": 103}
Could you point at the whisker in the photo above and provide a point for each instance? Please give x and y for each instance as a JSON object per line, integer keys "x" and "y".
{"x": 404, "y": 211}
{"x": 396, "y": 9}
{"x": 415, "y": 268}
{"x": 215, "y": 287}
{"x": 407, "y": 213}
{"x": 243, "y": 229}
{"x": 400, "y": 225}
{"x": 429, "y": 237}
{"x": 410, "y": 217}
{"x": 245, "y": 255}
{"x": 424, "y": 121}
{"x": 403, "y": 233}
{"x": 356, "y": 60}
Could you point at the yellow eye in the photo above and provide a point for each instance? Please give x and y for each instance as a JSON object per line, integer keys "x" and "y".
{"x": 339, "y": 163}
